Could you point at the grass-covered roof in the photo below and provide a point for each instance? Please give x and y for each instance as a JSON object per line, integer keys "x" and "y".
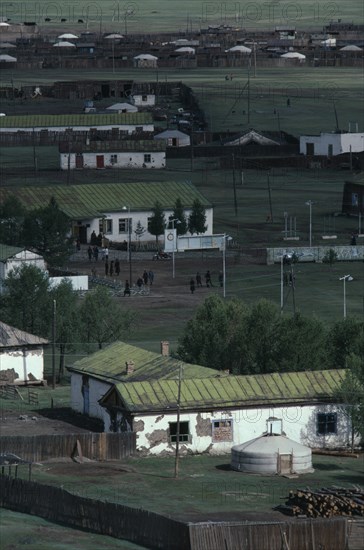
{"x": 70, "y": 120}
{"x": 109, "y": 364}
{"x": 7, "y": 251}
{"x": 232, "y": 392}
{"x": 94, "y": 200}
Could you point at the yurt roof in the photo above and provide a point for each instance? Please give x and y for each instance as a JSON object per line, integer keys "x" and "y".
{"x": 270, "y": 445}
{"x": 7, "y": 58}
{"x": 67, "y": 36}
{"x": 63, "y": 44}
{"x": 351, "y": 48}
{"x": 185, "y": 50}
{"x": 146, "y": 56}
{"x": 113, "y": 36}
{"x": 241, "y": 49}
{"x": 293, "y": 55}
{"x": 7, "y": 45}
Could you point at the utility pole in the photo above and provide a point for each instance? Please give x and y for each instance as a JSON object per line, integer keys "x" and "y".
{"x": 234, "y": 187}
{"x": 54, "y": 345}
{"x": 176, "y": 462}
{"x": 270, "y": 199}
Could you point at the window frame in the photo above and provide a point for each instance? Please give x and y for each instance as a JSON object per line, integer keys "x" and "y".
{"x": 214, "y": 428}
{"x": 127, "y": 223}
{"x": 185, "y": 437}
{"x": 326, "y": 426}
{"x": 147, "y": 158}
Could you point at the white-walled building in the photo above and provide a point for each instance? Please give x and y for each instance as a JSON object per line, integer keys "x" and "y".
{"x": 132, "y": 391}
{"x": 114, "y": 209}
{"x": 144, "y": 100}
{"x": 21, "y": 356}
{"x": 174, "y": 138}
{"x": 109, "y": 154}
{"x": 332, "y": 144}
{"x": 12, "y": 257}
{"x": 119, "y": 123}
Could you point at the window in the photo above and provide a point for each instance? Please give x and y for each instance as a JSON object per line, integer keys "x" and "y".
{"x": 113, "y": 159}
{"x": 222, "y": 430}
{"x": 326, "y": 423}
{"x": 124, "y": 224}
{"x": 184, "y": 432}
{"x": 138, "y": 128}
{"x": 147, "y": 157}
{"x": 144, "y": 98}
{"x": 354, "y": 199}
{"x": 105, "y": 226}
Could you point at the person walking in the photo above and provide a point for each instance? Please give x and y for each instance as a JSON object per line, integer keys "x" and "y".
{"x": 96, "y": 252}
{"x": 145, "y": 277}
{"x": 139, "y": 282}
{"x": 198, "y": 280}
{"x": 208, "y": 279}
{"x": 192, "y": 285}
{"x": 117, "y": 267}
{"x": 151, "y": 277}
{"x": 111, "y": 268}
{"x": 221, "y": 279}
{"x": 127, "y": 288}
{"x": 89, "y": 253}
{"x": 106, "y": 267}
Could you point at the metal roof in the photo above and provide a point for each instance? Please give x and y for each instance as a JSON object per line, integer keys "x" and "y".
{"x": 132, "y": 145}
{"x": 11, "y": 337}
{"x": 7, "y": 252}
{"x": 109, "y": 364}
{"x": 227, "y": 391}
{"x": 70, "y": 120}
{"x": 93, "y": 200}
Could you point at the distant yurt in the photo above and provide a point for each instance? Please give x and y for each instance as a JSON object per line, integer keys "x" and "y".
{"x": 145, "y": 61}
{"x": 271, "y": 454}
{"x": 239, "y": 49}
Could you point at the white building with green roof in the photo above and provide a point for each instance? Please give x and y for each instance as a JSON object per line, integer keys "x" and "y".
{"x": 12, "y": 257}
{"x": 112, "y": 209}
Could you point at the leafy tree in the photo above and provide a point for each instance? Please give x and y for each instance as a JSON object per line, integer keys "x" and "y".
{"x": 330, "y": 257}
{"x": 214, "y": 337}
{"x": 179, "y": 214}
{"x": 11, "y": 221}
{"x": 344, "y": 338}
{"x": 25, "y": 303}
{"x": 197, "y": 218}
{"x": 67, "y": 319}
{"x": 351, "y": 395}
{"x": 139, "y": 232}
{"x": 47, "y": 230}
{"x": 102, "y": 319}
{"x": 157, "y": 221}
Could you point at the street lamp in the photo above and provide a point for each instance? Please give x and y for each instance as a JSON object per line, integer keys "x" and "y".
{"x": 310, "y": 203}
{"x": 226, "y": 238}
{"x": 129, "y": 242}
{"x": 344, "y": 279}
{"x": 174, "y": 244}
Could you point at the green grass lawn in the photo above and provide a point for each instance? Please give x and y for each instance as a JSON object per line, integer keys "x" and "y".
{"x": 205, "y": 483}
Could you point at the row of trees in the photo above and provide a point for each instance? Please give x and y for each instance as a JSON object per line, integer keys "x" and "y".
{"x": 196, "y": 222}
{"x": 43, "y": 229}
{"x": 28, "y": 304}
{"x": 257, "y": 339}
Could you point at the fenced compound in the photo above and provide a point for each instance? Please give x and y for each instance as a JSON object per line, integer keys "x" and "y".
{"x": 157, "y": 531}
{"x": 95, "y": 446}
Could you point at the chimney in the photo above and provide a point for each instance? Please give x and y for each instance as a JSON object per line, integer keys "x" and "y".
{"x": 129, "y": 367}
{"x": 165, "y": 349}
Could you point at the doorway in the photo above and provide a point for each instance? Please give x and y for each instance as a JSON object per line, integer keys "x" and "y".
{"x": 100, "y": 161}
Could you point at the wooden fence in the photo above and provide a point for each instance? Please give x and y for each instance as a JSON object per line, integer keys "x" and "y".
{"x": 157, "y": 531}
{"x": 96, "y": 446}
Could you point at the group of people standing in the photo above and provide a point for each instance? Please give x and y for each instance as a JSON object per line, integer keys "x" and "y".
{"x": 146, "y": 278}
{"x": 197, "y": 283}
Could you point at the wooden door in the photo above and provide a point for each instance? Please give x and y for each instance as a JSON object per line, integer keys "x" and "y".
{"x": 285, "y": 464}
{"x": 79, "y": 160}
{"x": 100, "y": 161}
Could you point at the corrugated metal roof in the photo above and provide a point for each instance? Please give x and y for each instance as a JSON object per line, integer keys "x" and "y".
{"x": 13, "y": 337}
{"x": 93, "y": 200}
{"x": 7, "y": 251}
{"x": 133, "y": 145}
{"x": 230, "y": 391}
{"x": 109, "y": 364}
{"x": 68, "y": 121}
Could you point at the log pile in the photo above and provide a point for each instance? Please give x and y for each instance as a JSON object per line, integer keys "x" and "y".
{"x": 325, "y": 502}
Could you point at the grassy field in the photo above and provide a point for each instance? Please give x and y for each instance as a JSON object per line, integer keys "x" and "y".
{"x": 167, "y": 16}
{"x": 312, "y": 92}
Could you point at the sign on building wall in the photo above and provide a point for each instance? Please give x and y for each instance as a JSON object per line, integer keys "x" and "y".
{"x": 198, "y": 242}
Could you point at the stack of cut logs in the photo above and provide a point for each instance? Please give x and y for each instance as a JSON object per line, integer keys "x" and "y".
{"x": 325, "y": 502}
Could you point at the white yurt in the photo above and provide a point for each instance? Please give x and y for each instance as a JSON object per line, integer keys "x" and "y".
{"x": 239, "y": 49}
{"x": 64, "y": 44}
{"x": 185, "y": 49}
{"x": 5, "y": 58}
{"x": 293, "y": 55}
{"x": 351, "y": 48}
{"x": 272, "y": 454}
{"x": 67, "y": 36}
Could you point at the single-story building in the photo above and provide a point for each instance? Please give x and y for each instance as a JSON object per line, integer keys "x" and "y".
{"x": 332, "y": 144}
{"x": 113, "y": 209}
{"x": 174, "y": 138}
{"x": 12, "y": 257}
{"x": 123, "y": 123}
{"x": 131, "y": 389}
{"x": 219, "y": 412}
{"x": 21, "y": 356}
{"x": 144, "y": 100}
{"x": 93, "y": 376}
{"x": 113, "y": 154}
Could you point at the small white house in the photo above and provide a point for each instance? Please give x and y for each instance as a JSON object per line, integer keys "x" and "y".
{"x": 146, "y": 61}
{"x": 12, "y": 257}
{"x": 107, "y": 154}
{"x": 144, "y": 100}
{"x": 174, "y": 138}
{"x": 332, "y": 144}
{"x": 21, "y": 356}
